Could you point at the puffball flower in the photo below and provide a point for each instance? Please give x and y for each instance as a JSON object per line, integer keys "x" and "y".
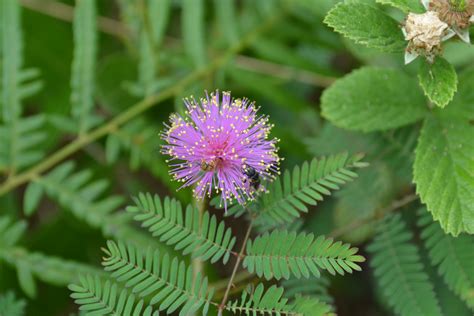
{"x": 215, "y": 142}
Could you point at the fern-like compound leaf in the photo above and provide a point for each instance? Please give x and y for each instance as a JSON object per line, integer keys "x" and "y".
{"x": 97, "y": 298}
{"x": 79, "y": 192}
{"x": 10, "y": 305}
{"x": 166, "y": 280}
{"x": 307, "y": 185}
{"x": 19, "y": 138}
{"x": 206, "y": 238}
{"x": 259, "y": 301}
{"x": 83, "y": 65}
{"x": 399, "y": 270}
{"x": 454, "y": 257}
{"x": 282, "y": 254}
{"x": 271, "y": 301}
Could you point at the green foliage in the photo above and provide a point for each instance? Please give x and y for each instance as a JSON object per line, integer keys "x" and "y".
{"x": 371, "y": 99}
{"x": 83, "y": 65}
{"x": 399, "y": 271}
{"x": 80, "y": 193}
{"x": 282, "y": 254}
{"x": 139, "y": 139}
{"x": 308, "y": 184}
{"x": 193, "y": 31}
{"x": 226, "y": 17}
{"x": 77, "y": 191}
{"x": 20, "y": 143}
{"x": 366, "y": 25}
{"x": 29, "y": 265}
{"x": 452, "y": 255}
{"x": 148, "y": 21}
{"x": 443, "y": 168}
{"x": 281, "y": 54}
{"x": 163, "y": 279}
{"x": 12, "y": 51}
{"x": 438, "y": 80}
{"x": 96, "y": 298}
{"x": 308, "y": 306}
{"x": 406, "y": 6}
{"x": 314, "y": 287}
{"x": 10, "y": 232}
{"x": 363, "y": 200}
{"x": 261, "y": 301}
{"x": 10, "y": 305}
{"x": 19, "y": 138}
{"x": 200, "y": 235}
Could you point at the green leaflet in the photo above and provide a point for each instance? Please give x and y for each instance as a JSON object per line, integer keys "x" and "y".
{"x": 97, "y": 298}
{"x": 444, "y": 168}
{"x": 438, "y": 80}
{"x": 399, "y": 271}
{"x": 453, "y": 257}
{"x": 366, "y": 25}
{"x": 165, "y": 280}
{"x": 206, "y": 238}
{"x": 282, "y": 254}
{"x": 405, "y": 5}
{"x": 371, "y": 99}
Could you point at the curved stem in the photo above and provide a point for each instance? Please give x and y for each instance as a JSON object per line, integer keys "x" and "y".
{"x": 236, "y": 267}
{"x": 132, "y": 112}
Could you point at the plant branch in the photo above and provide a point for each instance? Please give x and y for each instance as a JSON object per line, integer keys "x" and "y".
{"x": 236, "y": 267}
{"x": 397, "y": 204}
{"x": 132, "y": 112}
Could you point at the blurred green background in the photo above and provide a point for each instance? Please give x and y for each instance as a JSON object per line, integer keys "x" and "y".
{"x": 278, "y": 53}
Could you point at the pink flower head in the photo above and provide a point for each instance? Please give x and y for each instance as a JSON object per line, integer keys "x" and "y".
{"x": 221, "y": 144}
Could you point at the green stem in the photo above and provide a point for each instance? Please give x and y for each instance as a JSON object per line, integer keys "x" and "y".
{"x": 132, "y": 112}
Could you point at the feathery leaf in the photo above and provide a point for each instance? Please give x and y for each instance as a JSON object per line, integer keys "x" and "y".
{"x": 206, "y": 238}
{"x": 399, "y": 270}
{"x": 83, "y": 65}
{"x": 454, "y": 257}
{"x": 308, "y": 184}
{"x": 165, "y": 280}
{"x": 282, "y": 254}
{"x": 97, "y": 298}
